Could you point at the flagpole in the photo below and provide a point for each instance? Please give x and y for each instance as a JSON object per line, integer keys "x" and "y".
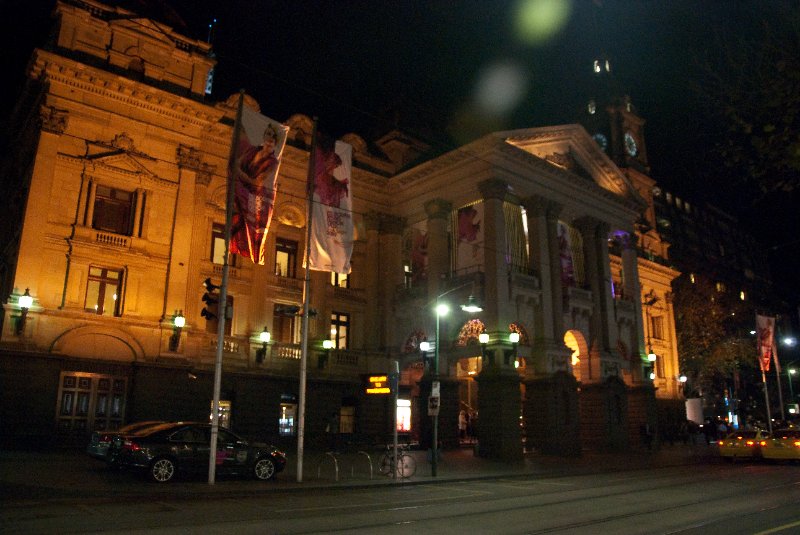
{"x": 778, "y": 378}
{"x": 222, "y": 312}
{"x": 301, "y": 420}
{"x": 766, "y": 398}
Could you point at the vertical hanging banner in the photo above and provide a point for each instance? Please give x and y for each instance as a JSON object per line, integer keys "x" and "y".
{"x": 469, "y": 238}
{"x": 765, "y": 331}
{"x": 332, "y": 221}
{"x": 255, "y": 172}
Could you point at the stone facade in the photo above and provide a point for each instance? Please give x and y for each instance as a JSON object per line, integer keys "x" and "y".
{"x": 535, "y": 224}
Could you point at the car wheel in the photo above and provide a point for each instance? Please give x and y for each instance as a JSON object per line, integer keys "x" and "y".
{"x": 162, "y": 470}
{"x": 264, "y": 469}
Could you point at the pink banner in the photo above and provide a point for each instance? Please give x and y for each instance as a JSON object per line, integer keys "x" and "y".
{"x": 765, "y": 329}
{"x": 255, "y": 173}
{"x": 332, "y": 220}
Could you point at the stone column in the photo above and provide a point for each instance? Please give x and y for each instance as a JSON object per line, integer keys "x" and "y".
{"x": 631, "y": 288}
{"x": 371, "y": 276}
{"x": 598, "y": 276}
{"x": 438, "y": 211}
{"x": 543, "y": 242}
{"x": 497, "y": 311}
{"x": 498, "y": 428}
{"x": 391, "y": 274}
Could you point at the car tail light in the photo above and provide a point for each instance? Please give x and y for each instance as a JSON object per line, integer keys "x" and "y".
{"x": 721, "y": 443}
{"x": 762, "y": 443}
{"x": 130, "y": 445}
{"x": 796, "y": 443}
{"x": 751, "y": 443}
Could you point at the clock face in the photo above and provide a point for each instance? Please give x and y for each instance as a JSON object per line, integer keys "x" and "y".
{"x": 630, "y": 144}
{"x": 601, "y": 140}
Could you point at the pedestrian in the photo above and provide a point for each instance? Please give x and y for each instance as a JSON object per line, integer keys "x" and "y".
{"x": 332, "y": 430}
{"x": 462, "y": 425}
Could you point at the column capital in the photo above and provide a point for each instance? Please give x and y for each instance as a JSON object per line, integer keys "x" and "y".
{"x": 541, "y": 206}
{"x": 390, "y": 224}
{"x": 497, "y": 189}
{"x": 438, "y": 208}
{"x": 53, "y": 120}
{"x": 589, "y": 224}
{"x": 372, "y": 220}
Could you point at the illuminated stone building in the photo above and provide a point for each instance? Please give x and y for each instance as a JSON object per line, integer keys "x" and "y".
{"x": 117, "y": 194}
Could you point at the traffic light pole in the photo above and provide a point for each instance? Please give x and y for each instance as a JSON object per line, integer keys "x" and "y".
{"x": 223, "y": 299}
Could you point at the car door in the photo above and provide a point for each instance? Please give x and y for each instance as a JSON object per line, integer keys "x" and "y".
{"x": 232, "y": 452}
{"x": 189, "y": 444}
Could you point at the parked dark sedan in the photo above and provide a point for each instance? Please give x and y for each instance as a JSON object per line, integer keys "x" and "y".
{"x": 100, "y": 441}
{"x": 167, "y": 449}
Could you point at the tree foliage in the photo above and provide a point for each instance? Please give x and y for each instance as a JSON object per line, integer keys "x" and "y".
{"x": 712, "y": 330}
{"x": 752, "y": 82}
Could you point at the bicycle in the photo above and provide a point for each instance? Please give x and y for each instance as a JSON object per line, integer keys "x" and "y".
{"x": 405, "y": 467}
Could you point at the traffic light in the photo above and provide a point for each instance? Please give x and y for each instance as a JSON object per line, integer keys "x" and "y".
{"x": 211, "y": 311}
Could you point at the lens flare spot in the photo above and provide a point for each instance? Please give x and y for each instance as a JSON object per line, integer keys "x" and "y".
{"x": 500, "y": 88}
{"x": 536, "y": 21}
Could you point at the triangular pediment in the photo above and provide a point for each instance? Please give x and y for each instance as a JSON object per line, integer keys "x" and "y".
{"x": 571, "y": 149}
{"x": 120, "y": 156}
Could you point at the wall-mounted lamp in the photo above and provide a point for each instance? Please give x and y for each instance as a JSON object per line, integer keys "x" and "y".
{"x": 513, "y": 337}
{"x": 178, "y": 322}
{"x": 651, "y": 357}
{"x": 327, "y": 345}
{"x": 264, "y": 338}
{"x": 25, "y": 302}
{"x": 682, "y": 379}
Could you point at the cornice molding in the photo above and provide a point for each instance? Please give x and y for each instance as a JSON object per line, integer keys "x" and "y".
{"x": 49, "y": 67}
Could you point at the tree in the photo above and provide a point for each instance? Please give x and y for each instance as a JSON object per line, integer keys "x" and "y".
{"x": 714, "y": 347}
{"x": 752, "y": 83}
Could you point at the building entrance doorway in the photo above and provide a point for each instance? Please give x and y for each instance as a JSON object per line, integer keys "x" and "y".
{"x": 466, "y": 371}
{"x": 89, "y": 402}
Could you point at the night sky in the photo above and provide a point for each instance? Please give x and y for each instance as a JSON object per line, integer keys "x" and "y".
{"x": 449, "y": 71}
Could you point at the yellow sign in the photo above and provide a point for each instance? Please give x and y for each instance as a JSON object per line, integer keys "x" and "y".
{"x": 378, "y": 384}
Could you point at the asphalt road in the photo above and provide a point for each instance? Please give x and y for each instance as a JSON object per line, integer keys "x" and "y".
{"x": 753, "y": 498}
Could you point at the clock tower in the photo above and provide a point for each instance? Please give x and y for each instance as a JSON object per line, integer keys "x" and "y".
{"x": 611, "y": 119}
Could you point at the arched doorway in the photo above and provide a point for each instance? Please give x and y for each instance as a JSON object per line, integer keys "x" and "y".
{"x": 579, "y": 361}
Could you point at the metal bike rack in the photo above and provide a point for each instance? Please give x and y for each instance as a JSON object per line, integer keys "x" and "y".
{"x": 369, "y": 461}
{"x": 333, "y": 456}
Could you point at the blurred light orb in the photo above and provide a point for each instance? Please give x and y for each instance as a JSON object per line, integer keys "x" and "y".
{"x": 536, "y": 21}
{"x": 500, "y": 88}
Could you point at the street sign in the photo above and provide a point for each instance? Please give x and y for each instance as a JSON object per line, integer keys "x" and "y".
{"x": 435, "y": 389}
{"x": 433, "y": 406}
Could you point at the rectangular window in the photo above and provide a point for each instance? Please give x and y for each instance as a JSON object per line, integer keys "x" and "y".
{"x": 113, "y": 210}
{"x": 285, "y": 258}
{"x": 287, "y": 420}
{"x": 657, "y": 327}
{"x": 340, "y": 327}
{"x": 284, "y": 324}
{"x": 340, "y": 280}
{"x": 218, "y": 246}
{"x": 347, "y": 420}
{"x": 103, "y": 291}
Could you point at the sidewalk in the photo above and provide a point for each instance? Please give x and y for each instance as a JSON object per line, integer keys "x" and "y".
{"x": 27, "y": 478}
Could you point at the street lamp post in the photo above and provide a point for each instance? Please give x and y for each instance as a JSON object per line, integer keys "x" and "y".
{"x": 790, "y": 372}
{"x": 441, "y": 310}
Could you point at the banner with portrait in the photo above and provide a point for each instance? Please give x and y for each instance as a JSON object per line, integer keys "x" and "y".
{"x": 469, "y": 240}
{"x": 254, "y": 172}
{"x": 332, "y": 219}
{"x": 767, "y": 350}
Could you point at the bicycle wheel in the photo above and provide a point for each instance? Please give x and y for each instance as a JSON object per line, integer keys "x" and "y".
{"x": 406, "y": 466}
{"x": 385, "y": 464}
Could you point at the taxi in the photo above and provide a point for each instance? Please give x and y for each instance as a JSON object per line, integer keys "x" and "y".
{"x": 784, "y": 444}
{"x": 742, "y": 445}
